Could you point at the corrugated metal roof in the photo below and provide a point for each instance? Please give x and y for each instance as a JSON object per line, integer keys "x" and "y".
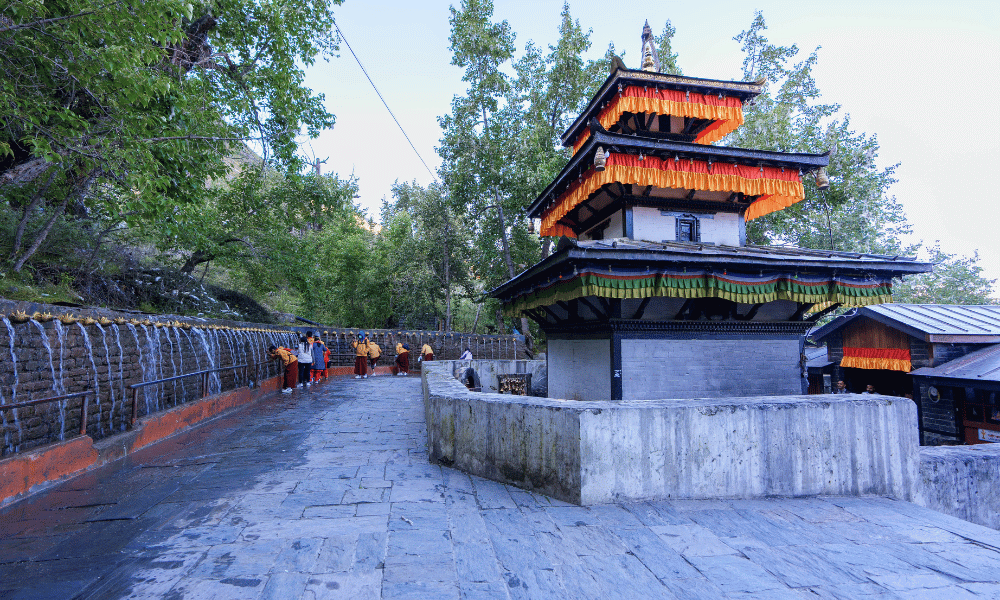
{"x": 816, "y": 358}
{"x": 981, "y": 365}
{"x": 946, "y": 323}
{"x": 942, "y": 319}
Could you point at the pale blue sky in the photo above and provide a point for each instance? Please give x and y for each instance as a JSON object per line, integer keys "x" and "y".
{"x": 922, "y": 76}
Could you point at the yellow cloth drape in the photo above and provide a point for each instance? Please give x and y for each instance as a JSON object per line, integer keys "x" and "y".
{"x": 891, "y": 364}
{"x": 727, "y": 112}
{"x": 778, "y": 188}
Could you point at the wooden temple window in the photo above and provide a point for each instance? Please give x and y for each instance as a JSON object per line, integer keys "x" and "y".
{"x": 687, "y": 229}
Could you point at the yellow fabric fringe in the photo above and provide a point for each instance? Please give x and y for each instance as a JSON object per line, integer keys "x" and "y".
{"x": 890, "y": 364}
{"x": 781, "y": 194}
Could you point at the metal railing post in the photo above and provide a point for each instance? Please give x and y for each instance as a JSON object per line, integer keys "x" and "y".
{"x": 83, "y": 417}
{"x": 135, "y": 406}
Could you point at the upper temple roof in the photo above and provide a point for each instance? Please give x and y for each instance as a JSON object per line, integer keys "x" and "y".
{"x": 621, "y": 79}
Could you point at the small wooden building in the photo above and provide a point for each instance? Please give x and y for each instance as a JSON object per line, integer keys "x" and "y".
{"x": 968, "y": 387}
{"x": 904, "y": 349}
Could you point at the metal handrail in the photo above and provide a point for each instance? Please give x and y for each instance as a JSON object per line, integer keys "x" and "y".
{"x": 204, "y": 382}
{"x": 83, "y": 406}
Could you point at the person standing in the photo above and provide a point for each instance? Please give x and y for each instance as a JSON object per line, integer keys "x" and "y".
{"x": 403, "y": 359}
{"x": 360, "y": 346}
{"x": 374, "y": 353}
{"x": 291, "y": 367}
{"x": 305, "y": 357}
{"x": 841, "y": 388}
{"x": 426, "y": 353}
{"x": 467, "y": 355}
{"x": 326, "y": 361}
{"x": 319, "y": 353}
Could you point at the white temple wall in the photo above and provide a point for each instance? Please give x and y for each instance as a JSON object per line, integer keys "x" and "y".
{"x": 579, "y": 369}
{"x": 724, "y": 229}
{"x": 709, "y": 368}
{"x": 654, "y": 225}
{"x": 649, "y": 225}
{"x": 616, "y": 226}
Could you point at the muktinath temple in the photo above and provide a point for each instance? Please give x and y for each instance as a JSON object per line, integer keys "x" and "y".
{"x": 652, "y": 291}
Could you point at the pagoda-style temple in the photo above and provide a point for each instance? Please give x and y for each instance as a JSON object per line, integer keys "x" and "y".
{"x": 652, "y": 291}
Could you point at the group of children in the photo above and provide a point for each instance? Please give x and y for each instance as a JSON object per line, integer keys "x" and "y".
{"x": 367, "y": 353}
{"x": 308, "y": 364}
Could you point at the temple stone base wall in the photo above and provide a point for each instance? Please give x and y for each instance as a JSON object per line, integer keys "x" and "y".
{"x": 963, "y": 481}
{"x": 598, "y": 452}
{"x": 709, "y": 368}
{"x": 579, "y": 369}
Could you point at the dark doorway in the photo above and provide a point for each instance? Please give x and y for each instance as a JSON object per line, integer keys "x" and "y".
{"x": 887, "y": 383}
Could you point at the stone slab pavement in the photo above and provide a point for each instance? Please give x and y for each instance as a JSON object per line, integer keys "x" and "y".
{"x": 327, "y": 493}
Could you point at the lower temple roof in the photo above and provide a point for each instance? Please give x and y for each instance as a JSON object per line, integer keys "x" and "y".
{"x": 625, "y": 268}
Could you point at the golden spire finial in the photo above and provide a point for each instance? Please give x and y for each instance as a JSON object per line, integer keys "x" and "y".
{"x": 650, "y": 55}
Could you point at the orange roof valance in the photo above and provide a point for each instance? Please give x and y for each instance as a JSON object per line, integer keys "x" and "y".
{"x": 777, "y": 188}
{"x": 892, "y": 359}
{"x": 727, "y": 112}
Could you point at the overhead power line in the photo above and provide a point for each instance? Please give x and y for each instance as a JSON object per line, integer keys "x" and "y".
{"x": 384, "y": 103}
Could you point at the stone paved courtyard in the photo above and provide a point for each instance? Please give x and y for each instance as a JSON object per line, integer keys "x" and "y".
{"x": 327, "y": 493}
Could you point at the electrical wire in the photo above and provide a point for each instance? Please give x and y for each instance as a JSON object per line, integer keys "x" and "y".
{"x": 384, "y": 103}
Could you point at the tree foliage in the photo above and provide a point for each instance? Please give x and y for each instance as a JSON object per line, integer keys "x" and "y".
{"x": 145, "y": 98}
{"x": 856, "y": 213}
{"x": 955, "y": 280}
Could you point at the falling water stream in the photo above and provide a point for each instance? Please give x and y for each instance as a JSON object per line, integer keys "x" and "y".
{"x": 121, "y": 370}
{"x": 52, "y": 371}
{"x": 142, "y": 363}
{"x": 215, "y": 384}
{"x": 173, "y": 366}
{"x": 153, "y": 354}
{"x": 180, "y": 352}
{"x": 111, "y": 382}
{"x": 93, "y": 365}
{"x": 13, "y": 391}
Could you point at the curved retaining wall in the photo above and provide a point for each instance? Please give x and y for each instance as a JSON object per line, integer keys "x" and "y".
{"x": 599, "y": 452}
{"x": 963, "y": 481}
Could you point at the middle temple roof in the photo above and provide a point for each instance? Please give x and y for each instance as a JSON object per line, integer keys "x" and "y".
{"x": 662, "y": 171}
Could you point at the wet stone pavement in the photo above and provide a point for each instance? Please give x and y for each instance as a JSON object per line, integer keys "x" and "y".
{"x": 327, "y": 493}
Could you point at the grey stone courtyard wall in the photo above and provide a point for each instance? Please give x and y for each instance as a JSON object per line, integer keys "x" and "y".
{"x": 601, "y": 451}
{"x": 710, "y": 368}
{"x": 106, "y": 351}
{"x": 963, "y": 481}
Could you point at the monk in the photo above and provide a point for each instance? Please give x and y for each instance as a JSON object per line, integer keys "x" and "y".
{"x": 403, "y": 359}
{"x": 291, "y": 363}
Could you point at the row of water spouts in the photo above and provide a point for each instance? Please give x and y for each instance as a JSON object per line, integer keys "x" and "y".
{"x": 204, "y": 341}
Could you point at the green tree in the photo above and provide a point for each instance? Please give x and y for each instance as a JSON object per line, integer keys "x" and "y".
{"x": 856, "y": 213}
{"x": 664, "y": 43}
{"x": 480, "y": 136}
{"x": 552, "y": 89}
{"x": 437, "y": 248}
{"x": 145, "y": 98}
{"x": 955, "y": 280}
{"x": 501, "y": 143}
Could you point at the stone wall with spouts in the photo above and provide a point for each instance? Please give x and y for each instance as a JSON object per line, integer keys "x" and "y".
{"x": 48, "y": 351}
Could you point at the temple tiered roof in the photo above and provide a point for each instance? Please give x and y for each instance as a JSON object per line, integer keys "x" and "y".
{"x": 667, "y": 172}
{"x": 703, "y": 110}
{"x": 628, "y": 269}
